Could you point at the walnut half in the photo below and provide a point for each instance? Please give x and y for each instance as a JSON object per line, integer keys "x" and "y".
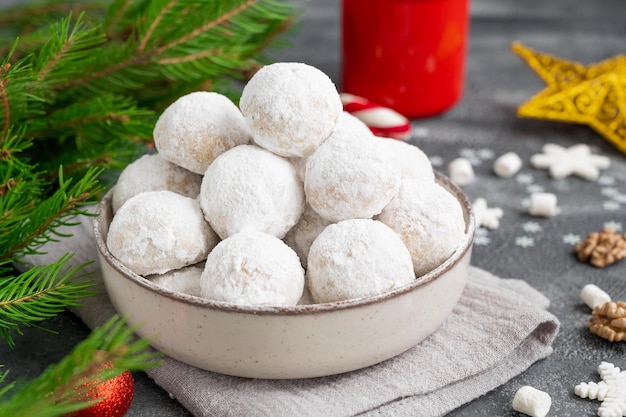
{"x": 602, "y": 248}
{"x": 608, "y": 321}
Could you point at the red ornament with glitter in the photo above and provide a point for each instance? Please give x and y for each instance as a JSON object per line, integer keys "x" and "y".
{"x": 116, "y": 394}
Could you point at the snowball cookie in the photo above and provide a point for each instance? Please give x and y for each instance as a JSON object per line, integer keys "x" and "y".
{"x": 349, "y": 123}
{"x": 249, "y": 188}
{"x": 290, "y": 107}
{"x": 302, "y": 235}
{"x": 350, "y": 176}
{"x": 411, "y": 160}
{"x": 198, "y": 127}
{"x": 253, "y": 268}
{"x": 428, "y": 219}
{"x": 357, "y": 258}
{"x": 184, "y": 281}
{"x": 153, "y": 173}
{"x": 158, "y": 231}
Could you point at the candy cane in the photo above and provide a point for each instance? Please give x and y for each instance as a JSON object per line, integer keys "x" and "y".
{"x": 382, "y": 121}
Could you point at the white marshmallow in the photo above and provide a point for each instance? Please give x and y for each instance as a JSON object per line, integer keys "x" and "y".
{"x": 507, "y": 165}
{"x": 531, "y": 401}
{"x": 593, "y": 296}
{"x": 460, "y": 171}
{"x": 542, "y": 204}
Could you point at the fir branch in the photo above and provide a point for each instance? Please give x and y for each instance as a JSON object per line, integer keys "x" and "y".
{"x": 31, "y": 226}
{"x": 71, "y": 42}
{"x": 62, "y": 388}
{"x": 221, "y": 19}
{"x": 223, "y": 39}
{"x": 38, "y": 294}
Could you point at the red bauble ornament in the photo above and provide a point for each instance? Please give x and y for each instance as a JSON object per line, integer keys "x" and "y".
{"x": 116, "y": 393}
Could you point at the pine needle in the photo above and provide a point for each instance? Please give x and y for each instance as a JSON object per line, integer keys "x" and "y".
{"x": 38, "y": 294}
{"x": 62, "y": 387}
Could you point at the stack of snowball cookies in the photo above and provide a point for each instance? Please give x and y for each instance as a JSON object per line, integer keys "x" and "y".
{"x": 284, "y": 200}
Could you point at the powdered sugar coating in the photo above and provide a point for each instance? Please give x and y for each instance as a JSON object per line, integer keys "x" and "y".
{"x": 185, "y": 280}
{"x": 253, "y": 268}
{"x": 248, "y": 188}
{"x": 197, "y": 128}
{"x": 411, "y": 160}
{"x": 357, "y": 258}
{"x": 428, "y": 219}
{"x": 290, "y": 107}
{"x": 153, "y": 173}
{"x": 352, "y": 124}
{"x": 157, "y": 231}
{"x": 350, "y": 176}
{"x": 302, "y": 235}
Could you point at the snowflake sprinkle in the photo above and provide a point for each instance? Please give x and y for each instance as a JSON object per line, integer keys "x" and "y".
{"x": 571, "y": 239}
{"x": 524, "y": 179}
{"x": 612, "y": 224}
{"x": 481, "y": 237}
{"x": 611, "y": 391}
{"x": 531, "y": 227}
{"x": 606, "y": 180}
{"x": 576, "y": 160}
{"x": 525, "y": 241}
{"x": 610, "y": 205}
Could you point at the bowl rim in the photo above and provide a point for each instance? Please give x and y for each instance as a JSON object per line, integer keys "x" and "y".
{"x": 298, "y": 309}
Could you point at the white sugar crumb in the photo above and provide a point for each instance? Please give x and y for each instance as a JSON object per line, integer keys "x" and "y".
{"x": 429, "y": 221}
{"x": 158, "y": 231}
{"x": 253, "y": 268}
{"x": 197, "y": 128}
{"x": 248, "y": 188}
{"x": 302, "y": 235}
{"x": 291, "y": 108}
{"x": 411, "y": 160}
{"x": 184, "y": 281}
{"x": 153, "y": 173}
{"x": 357, "y": 258}
{"x": 350, "y": 176}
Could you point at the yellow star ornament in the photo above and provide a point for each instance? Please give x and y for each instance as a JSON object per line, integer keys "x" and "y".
{"x": 593, "y": 95}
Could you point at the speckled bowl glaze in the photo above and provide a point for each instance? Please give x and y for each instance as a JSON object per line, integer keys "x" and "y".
{"x": 303, "y": 341}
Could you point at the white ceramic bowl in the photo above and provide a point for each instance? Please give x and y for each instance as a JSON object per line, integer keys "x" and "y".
{"x": 286, "y": 342}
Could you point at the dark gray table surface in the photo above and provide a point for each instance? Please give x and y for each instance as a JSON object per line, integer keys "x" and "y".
{"x": 481, "y": 127}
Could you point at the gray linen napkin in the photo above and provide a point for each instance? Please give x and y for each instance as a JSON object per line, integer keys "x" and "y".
{"x": 498, "y": 329}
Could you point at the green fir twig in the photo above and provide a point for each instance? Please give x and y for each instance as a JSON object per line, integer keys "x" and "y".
{"x": 40, "y": 293}
{"x": 62, "y": 387}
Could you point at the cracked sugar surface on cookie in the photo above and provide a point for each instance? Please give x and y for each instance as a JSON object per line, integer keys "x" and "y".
{"x": 253, "y": 268}
{"x": 350, "y": 176}
{"x": 153, "y": 173}
{"x": 429, "y": 221}
{"x": 184, "y": 280}
{"x": 291, "y": 108}
{"x": 249, "y": 188}
{"x": 357, "y": 258}
{"x": 157, "y": 231}
{"x": 197, "y": 128}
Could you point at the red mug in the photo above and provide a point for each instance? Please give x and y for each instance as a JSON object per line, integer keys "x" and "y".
{"x": 408, "y": 55}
